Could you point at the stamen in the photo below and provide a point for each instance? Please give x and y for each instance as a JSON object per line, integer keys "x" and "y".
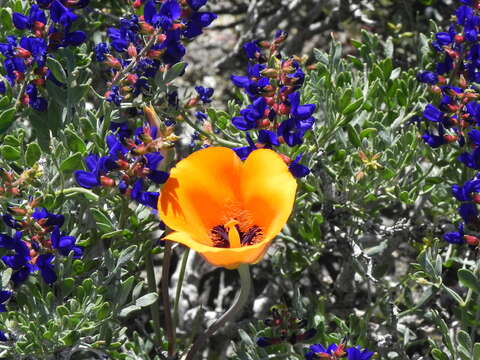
{"x": 233, "y": 235}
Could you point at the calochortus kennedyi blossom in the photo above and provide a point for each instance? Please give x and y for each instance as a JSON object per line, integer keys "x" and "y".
{"x": 227, "y": 210}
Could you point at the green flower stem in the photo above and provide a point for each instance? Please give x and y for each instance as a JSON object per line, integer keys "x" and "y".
{"x": 78, "y": 190}
{"x": 210, "y": 135}
{"x": 179, "y": 285}
{"x": 152, "y": 287}
{"x": 239, "y": 302}
{"x": 169, "y": 330}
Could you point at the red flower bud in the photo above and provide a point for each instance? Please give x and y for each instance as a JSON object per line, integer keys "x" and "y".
{"x": 106, "y": 181}
{"x": 450, "y": 138}
{"x": 23, "y": 53}
{"x": 146, "y": 28}
{"x": 113, "y": 62}
{"x": 132, "y": 50}
{"x": 471, "y": 240}
{"x": 284, "y": 109}
{"x": 459, "y": 38}
{"x": 132, "y": 78}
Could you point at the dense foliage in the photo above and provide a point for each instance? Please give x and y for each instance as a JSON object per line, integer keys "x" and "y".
{"x": 341, "y": 181}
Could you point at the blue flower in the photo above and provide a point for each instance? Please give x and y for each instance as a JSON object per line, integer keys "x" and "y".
{"x": 471, "y": 160}
{"x": 427, "y": 77}
{"x": 61, "y": 15}
{"x": 298, "y": 170}
{"x": 36, "y": 102}
{"x": 144, "y": 197}
{"x": 50, "y": 218}
{"x": 356, "y": 353}
{"x": 197, "y": 22}
{"x": 3, "y": 337}
{"x": 35, "y": 19}
{"x": 113, "y": 95}
{"x": 65, "y": 244}
{"x": 20, "y": 260}
{"x": 121, "y": 129}
{"x": 251, "y": 50}
{"x": 153, "y": 161}
{"x": 169, "y": 12}
{"x": 468, "y": 212}
{"x": 431, "y": 113}
{"x": 297, "y": 111}
{"x": 196, "y": 4}
{"x": 251, "y": 115}
{"x": 10, "y": 221}
{"x": 204, "y": 93}
{"x": 455, "y": 237}
{"x": 244, "y": 151}
{"x": 44, "y": 264}
{"x": 98, "y": 166}
{"x": 4, "y": 296}
{"x": 100, "y": 50}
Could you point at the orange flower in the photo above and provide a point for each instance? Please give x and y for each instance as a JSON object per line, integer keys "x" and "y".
{"x": 227, "y": 210}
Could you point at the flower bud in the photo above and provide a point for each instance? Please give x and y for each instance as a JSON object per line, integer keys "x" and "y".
{"x": 106, "y": 181}
{"x": 471, "y": 240}
{"x": 132, "y": 50}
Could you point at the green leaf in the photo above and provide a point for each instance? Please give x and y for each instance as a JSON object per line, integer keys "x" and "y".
{"x": 76, "y": 94}
{"x": 476, "y": 351}
{"x": 10, "y": 153}
{"x": 103, "y": 222}
{"x": 465, "y": 340}
{"x": 174, "y": 72}
{"x": 367, "y": 132}
{"x": 57, "y": 69}
{"x": 126, "y": 255}
{"x": 103, "y": 311}
{"x": 73, "y": 162}
{"x": 469, "y": 280}
{"x": 439, "y": 355}
{"x": 67, "y": 286}
{"x": 33, "y": 153}
{"x": 6, "y": 119}
{"x": 58, "y": 94}
{"x": 147, "y": 300}
{"x": 352, "y": 107}
{"x": 128, "y": 310}
{"x": 353, "y": 136}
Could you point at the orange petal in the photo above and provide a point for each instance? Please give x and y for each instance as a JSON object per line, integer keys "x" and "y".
{"x": 193, "y": 198}
{"x": 230, "y": 258}
{"x": 268, "y": 191}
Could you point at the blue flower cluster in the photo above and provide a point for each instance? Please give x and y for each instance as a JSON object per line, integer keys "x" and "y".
{"x": 143, "y": 45}
{"x": 36, "y": 242}
{"x": 275, "y": 112}
{"x": 130, "y": 161}
{"x": 24, "y": 61}
{"x": 455, "y": 117}
{"x": 334, "y": 352}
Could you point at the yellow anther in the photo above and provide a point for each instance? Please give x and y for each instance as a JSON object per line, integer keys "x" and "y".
{"x": 233, "y": 235}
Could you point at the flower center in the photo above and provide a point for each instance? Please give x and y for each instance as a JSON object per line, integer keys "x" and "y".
{"x": 230, "y": 235}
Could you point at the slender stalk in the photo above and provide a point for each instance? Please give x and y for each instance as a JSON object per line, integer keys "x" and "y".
{"x": 210, "y": 136}
{"x": 169, "y": 330}
{"x": 152, "y": 287}
{"x": 179, "y": 285}
{"x": 239, "y": 302}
